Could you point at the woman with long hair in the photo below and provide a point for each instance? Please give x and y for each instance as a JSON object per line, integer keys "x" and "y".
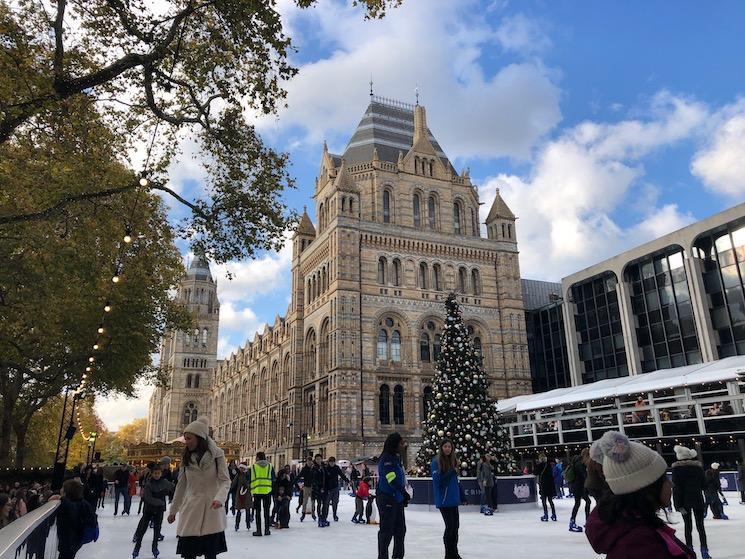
{"x": 444, "y": 470}
{"x": 392, "y": 497}
{"x": 626, "y": 523}
{"x": 546, "y": 487}
{"x": 200, "y": 495}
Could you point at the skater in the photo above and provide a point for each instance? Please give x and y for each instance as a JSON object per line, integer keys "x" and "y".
{"x": 485, "y": 478}
{"x": 74, "y": 515}
{"x": 558, "y": 473}
{"x": 688, "y": 487}
{"x": 165, "y": 467}
{"x": 712, "y": 490}
{"x": 361, "y": 495}
{"x": 354, "y": 478}
{"x": 284, "y": 496}
{"x": 121, "y": 489}
{"x": 595, "y": 484}
{"x": 546, "y": 487}
{"x": 577, "y": 488}
{"x": 306, "y": 494}
{"x": 200, "y": 495}
{"x": 444, "y": 468}
{"x": 144, "y": 476}
{"x": 319, "y": 491}
{"x": 261, "y": 477}
{"x": 392, "y": 497}
{"x": 240, "y": 487}
{"x": 280, "y": 492}
{"x": 625, "y": 524}
{"x": 232, "y": 472}
{"x": 154, "y": 496}
{"x": 103, "y": 486}
{"x": 91, "y": 487}
{"x": 333, "y": 473}
{"x": 741, "y": 480}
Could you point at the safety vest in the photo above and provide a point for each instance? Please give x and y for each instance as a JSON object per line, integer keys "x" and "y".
{"x": 261, "y": 479}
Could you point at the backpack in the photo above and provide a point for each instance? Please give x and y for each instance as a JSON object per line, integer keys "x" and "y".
{"x": 569, "y": 473}
{"x": 90, "y": 527}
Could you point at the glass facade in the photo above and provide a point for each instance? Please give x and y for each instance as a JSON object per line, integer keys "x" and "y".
{"x": 597, "y": 320}
{"x": 722, "y": 252}
{"x": 547, "y": 349}
{"x": 661, "y": 304}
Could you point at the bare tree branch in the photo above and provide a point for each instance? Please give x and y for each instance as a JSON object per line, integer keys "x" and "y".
{"x": 59, "y": 45}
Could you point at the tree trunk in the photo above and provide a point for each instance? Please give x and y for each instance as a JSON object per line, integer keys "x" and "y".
{"x": 21, "y": 428}
{"x": 6, "y": 431}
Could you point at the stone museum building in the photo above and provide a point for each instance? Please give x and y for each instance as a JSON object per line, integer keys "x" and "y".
{"x": 352, "y": 359}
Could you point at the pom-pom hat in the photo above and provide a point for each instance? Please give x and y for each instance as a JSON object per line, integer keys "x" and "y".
{"x": 683, "y": 453}
{"x": 628, "y": 466}
{"x": 200, "y": 427}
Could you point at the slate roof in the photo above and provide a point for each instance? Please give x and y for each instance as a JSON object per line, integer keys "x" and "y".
{"x": 388, "y": 126}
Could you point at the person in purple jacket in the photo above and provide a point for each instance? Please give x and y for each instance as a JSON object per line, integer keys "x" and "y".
{"x": 626, "y": 522}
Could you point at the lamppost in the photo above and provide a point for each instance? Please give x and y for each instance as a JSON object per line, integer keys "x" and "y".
{"x": 66, "y": 433}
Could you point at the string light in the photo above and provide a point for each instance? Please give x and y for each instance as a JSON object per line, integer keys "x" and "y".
{"x": 91, "y": 359}
{"x": 144, "y": 181}
{"x": 100, "y": 329}
{"x": 127, "y": 235}
{"x": 107, "y": 307}
{"x": 115, "y": 279}
{"x": 95, "y": 346}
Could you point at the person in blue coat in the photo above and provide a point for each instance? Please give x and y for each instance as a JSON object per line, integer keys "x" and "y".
{"x": 392, "y": 497}
{"x": 444, "y": 470}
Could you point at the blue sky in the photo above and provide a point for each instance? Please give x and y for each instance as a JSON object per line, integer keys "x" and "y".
{"x": 603, "y": 124}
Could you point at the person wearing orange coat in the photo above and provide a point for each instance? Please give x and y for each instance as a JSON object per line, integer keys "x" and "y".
{"x": 132, "y": 482}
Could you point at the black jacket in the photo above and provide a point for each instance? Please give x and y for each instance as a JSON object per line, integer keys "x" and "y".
{"x": 72, "y": 516}
{"x": 711, "y": 482}
{"x": 688, "y": 484}
{"x": 577, "y": 485}
{"x": 545, "y": 475}
{"x": 121, "y": 478}
{"x": 318, "y": 479}
{"x": 305, "y": 475}
{"x": 284, "y": 484}
{"x": 333, "y": 475}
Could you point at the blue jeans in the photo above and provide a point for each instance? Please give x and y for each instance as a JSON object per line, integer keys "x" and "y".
{"x": 127, "y": 499}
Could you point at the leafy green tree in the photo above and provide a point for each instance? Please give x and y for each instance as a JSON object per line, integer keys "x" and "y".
{"x": 169, "y": 71}
{"x": 462, "y": 410}
{"x": 56, "y": 274}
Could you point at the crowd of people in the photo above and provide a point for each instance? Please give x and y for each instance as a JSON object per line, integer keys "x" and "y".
{"x": 20, "y": 498}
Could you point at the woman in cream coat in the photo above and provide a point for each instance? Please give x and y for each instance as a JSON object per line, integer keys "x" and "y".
{"x": 202, "y": 488}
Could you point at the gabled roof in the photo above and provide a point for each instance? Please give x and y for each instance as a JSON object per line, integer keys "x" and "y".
{"x": 388, "y": 127}
{"x": 499, "y": 210}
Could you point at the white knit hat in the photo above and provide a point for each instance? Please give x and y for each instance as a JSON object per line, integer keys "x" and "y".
{"x": 715, "y": 465}
{"x": 628, "y": 466}
{"x": 683, "y": 453}
{"x": 200, "y": 427}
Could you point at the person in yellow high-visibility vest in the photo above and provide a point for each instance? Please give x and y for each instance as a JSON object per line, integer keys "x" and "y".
{"x": 261, "y": 479}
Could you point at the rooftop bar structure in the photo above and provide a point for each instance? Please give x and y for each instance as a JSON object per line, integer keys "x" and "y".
{"x": 701, "y": 405}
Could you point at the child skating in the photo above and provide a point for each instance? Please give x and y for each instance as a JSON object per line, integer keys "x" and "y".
{"x": 154, "y": 497}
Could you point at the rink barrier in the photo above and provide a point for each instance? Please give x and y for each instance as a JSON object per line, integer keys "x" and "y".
{"x": 511, "y": 492}
{"x": 34, "y": 535}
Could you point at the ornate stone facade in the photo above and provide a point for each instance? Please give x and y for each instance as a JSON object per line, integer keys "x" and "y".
{"x": 352, "y": 359}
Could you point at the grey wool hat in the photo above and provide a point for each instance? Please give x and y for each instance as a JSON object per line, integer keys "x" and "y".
{"x": 628, "y": 466}
{"x": 200, "y": 427}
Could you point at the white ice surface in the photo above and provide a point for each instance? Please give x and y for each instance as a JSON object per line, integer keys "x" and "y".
{"x": 509, "y": 535}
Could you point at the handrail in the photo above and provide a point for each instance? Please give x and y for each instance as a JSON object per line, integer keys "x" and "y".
{"x": 15, "y": 535}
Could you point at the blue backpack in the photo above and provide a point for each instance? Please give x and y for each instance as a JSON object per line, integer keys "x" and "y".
{"x": 90, "y": 527}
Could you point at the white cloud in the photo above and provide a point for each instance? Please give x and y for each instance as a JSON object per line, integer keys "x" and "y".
{"x": 521, "y": 34}
{"x": 116, "y": 411}
{"x": 581, "y": 178}
{"x": 436, "y": 45}
{"x": 721, "y": 163}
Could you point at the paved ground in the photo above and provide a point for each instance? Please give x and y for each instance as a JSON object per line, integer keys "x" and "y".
{"x": 515, "y": 534}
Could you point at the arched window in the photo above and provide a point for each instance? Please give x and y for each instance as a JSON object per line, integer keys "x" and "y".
{"x": 398, "y": 405}
{"x": 423, "y": 273}
{"x": 344, "y": 203}
{"x": 275, "y": 381}
{"x": 323, "y": 347}
{"x": 188, "y": 381}
{"x": 477, "y": 349}
{"x": 503, "y": 235}
{"x": 456, "y": 218}
{"x": 351, "y": 205}
{"x": 424, "y": 353}
{"x": 386, "y": 206}
{"x": 382, "y": 345}
{"x": 437, "y": 277}
{"x": 286, "y": 374}
{"x": 196, "y": 381}
{"x": 205, "y": 335}
{"x": 436, "y": 348}
{"x": 462, "y": 280}
{"x": 396, "y": 346}
{"x": 196, "y": 336}
{"x": 431, "y": 207}
{"x": 474, "y": 225}
{"x": 310, "y": 354}
{"x": 426, "y": 401}
{"x": 324, "y": 281}
{"x": 190, "y": 413}
{"x": 384, "y": 404}
{"x": 509, "y": 231}
{"x": 417, "y": 211}
{"x": 476, "y": 282}
{"x": 382, "y": 268}
{"x": 396, "y": 272}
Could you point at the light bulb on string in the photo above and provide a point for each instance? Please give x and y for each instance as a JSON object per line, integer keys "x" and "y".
{"x": 100, "y": 329}
{"x": 107, "y": 307}
{"x": 91, "y": 359}
{"x": 144, "y": 181}
{"x": 88, "y": 369}
{"x": 95, "y": 346}
{"x": 115, "y": 278}
{"x": 127, "y": 235}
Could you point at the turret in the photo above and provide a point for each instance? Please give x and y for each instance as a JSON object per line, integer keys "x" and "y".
{"x": 500, "y": 223}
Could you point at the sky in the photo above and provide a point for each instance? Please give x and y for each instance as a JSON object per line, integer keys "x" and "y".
{"x": 604, "y": 125}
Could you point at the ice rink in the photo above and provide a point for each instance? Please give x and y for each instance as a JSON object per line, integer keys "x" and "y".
{"x": 514, "y": 534}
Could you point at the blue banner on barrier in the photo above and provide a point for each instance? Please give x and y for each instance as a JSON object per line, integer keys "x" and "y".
{"x": 508, "y": 490}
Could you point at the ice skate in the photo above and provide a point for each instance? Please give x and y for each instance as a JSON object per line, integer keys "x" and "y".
{"x": 553, "y": 517}
{"x": 544, "y": 518}
{"x": 705, "y": 553}
{"x": 156, "y": 553}
{"x": 573, "y": 527}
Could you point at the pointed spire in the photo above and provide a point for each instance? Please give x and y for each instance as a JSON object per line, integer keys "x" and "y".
{"x": 421, "y": 141}
{"x": 376, "y": 157}
{"x": 499, "y": 210}
{"x": 305, "y": 227}
{"x": 343, "y": 179}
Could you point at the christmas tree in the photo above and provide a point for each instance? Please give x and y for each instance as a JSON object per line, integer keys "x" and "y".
{"x": 462, "y": 411}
